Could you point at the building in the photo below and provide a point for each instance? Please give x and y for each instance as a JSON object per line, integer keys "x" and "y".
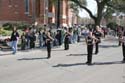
{"x": 120, "y": 20}
{"x": 15, "y": 10}
{"x": 42, "y": 11}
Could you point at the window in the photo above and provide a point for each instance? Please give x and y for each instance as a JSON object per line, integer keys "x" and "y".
{"x": 10, "y": 3}
{"x": 26, "y": 6}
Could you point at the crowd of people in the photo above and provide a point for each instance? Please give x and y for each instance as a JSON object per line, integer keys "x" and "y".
{"x": 64, "y": 35}
{"x": 58, "y": 35}
{"x": 46, "y": 37}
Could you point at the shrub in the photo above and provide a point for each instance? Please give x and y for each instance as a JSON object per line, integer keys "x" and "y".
{"x": 112, "y": 25}
{"x": 5, "y": 32}
{"x": 8, "y": 26}
{"x": 22, "y": 26}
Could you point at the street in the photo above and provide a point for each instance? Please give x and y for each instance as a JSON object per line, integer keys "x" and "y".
{"x": 64, "y": 66}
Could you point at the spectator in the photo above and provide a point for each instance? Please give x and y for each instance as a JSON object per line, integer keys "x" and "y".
{"x": 23, "y": 41}
{"x": 40, "y": 37}
{"x": 14, "y": 39}
{"x": 32, "y": 40}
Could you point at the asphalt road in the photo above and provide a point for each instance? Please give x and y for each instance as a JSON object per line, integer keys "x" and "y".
{"x": 64, "y": 66}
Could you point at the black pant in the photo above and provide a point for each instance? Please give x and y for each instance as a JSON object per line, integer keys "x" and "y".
{"x": 32, "y": 44}
{"x": 48, "y": 44}
{"x": 119, "y": 43}
{"x": 66, "y": 44}
{"x": 23, "y": 45}
{"x": 90, "y": 51}
{"x": 78, "y": 39}
{"x": 123, "y": 50}
{"x": 96, "y": 48}
{"x": 60, "y": 41}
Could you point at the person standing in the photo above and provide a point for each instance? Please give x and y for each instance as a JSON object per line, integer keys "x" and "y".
{"x": 66, "y": 40}
{"x": 119, "y": 37}
{"x": 89, "y": 41}
{"x": 14, "y": 39}
{"x": 23, "y": 41}
{"x": 123, "y": 45}
{"x": 57, "y": 37}
{"x": 79, "y": 33}
{"x": 75, "y": 35}
{"x": 27, "y": 36}
{"x": 44, "y": 37}
{"x": 97, "y": 33}
{"x": 32, "y": 40}
{"x": 49, "y": 39}
{"x": 40, "y": 37}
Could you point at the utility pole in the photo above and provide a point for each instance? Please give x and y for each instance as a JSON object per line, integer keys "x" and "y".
{"x": 58, "y": 14}
{"x": 34, "y": 11}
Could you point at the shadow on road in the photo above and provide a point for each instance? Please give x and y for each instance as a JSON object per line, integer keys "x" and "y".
{"x": 24, "y": 50}
{"x": 96, "y": 63}
{"x": 5, "y": 54}
{"x": 108, "y": 46}
{"x": 69, "y": 65}
{"x": 77, "y": 55}
{"x": 108, "y": 63}
{"x": 59, "y": 50}
{"x": 32, "y": 58}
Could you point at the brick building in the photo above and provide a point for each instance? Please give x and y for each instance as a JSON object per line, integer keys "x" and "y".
{"x": 42, "y": 11}
{"x": 14, "y": 10}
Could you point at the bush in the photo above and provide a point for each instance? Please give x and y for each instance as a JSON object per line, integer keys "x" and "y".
{"x": 8, "y": 26}
{"x": 5, "y": 32}
{"x": 112, "y": 25}
{"x": 22, "y": 26}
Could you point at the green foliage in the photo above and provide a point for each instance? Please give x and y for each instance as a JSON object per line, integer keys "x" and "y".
{"x": 53, "y": 2}
{"x": 75, "y": 6}
{"x": 8, "y": 26}
{"x": 108, "y": 13}
{"x": 118, "y": 5}
{"x": 20, "y": 26}
{"x": 105, "y": 8}
{"x": 5, "y": 32}
{"x": 112, "y": 25}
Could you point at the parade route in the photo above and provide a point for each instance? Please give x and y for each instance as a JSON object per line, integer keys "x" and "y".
{"x": 64, "y": 66}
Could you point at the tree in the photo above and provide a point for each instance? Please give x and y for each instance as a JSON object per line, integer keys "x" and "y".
{"x": 118, "y": 5}
{"x": 75, "y": 7}
{"x": 108, "y": 14}
{"x": 102, "y": 6}
{"x": 112, "y": 25}
{"x": 72, "y": 5}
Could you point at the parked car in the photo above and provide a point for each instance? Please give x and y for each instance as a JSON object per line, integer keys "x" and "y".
{"x": 4, "y": 42}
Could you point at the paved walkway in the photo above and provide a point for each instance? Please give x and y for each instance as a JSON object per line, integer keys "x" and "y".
{"x": 64, "y": 66}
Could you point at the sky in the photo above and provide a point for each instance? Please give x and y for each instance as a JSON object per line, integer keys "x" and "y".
{"x": 91, "y": 4}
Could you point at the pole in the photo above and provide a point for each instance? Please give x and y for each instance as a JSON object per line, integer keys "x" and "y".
{"x": 34, "y": 11}
{"x": 58, "y": 14}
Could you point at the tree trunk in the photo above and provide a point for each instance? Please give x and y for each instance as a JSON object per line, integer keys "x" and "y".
{"x": 97, "y": 21}
{"x": 99, "y": 14}
{"x": 100, "y": 7}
